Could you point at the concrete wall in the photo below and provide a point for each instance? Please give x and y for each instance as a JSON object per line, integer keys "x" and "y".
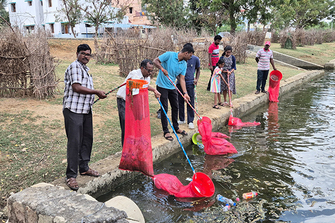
{"x": 45, "y": 203}
{"x": 330, "y": 65}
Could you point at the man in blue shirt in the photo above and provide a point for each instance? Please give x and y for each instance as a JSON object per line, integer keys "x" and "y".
{"x": 193, "y": 64}
{"x": 172, "y": 64}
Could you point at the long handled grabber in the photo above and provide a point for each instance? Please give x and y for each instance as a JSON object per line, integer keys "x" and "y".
{"x": 229, "y": 95}
{"x": 111, "y": 91}
{"x": 184, "y": 98}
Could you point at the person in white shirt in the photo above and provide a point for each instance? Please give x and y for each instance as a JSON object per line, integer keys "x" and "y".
{"x": 146, "y": 69}
{"x": 263, "y": 58}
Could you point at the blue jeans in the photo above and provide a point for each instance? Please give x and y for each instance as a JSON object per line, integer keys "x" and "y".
{"x": 262, "y": 76}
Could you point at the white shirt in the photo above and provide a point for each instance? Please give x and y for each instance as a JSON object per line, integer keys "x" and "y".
{"x": 135, "y": 74}
{"x": 264, "y": 59}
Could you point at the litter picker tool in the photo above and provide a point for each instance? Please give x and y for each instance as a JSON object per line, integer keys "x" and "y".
{"x": 111, "y": 91}
{"x": 229, "y": 95}
{"x": 184, "y": 98}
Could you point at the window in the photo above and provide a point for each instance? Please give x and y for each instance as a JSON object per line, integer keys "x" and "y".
{"x": 30, "y": 3}
{"x": 13, "y": 7}
{"x": 50, "y": 3}
{"x": 52, "y": 28}
{"x": 30, "y": 28}
{"x": 131, "y": 10}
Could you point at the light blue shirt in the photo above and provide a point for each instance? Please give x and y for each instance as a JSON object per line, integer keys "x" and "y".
{"x": 173, "y": 66}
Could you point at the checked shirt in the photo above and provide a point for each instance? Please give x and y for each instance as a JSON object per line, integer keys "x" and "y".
{"x": 75, "y": 102}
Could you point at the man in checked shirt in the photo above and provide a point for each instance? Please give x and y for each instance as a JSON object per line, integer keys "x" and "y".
{"x": 77, "y": 104}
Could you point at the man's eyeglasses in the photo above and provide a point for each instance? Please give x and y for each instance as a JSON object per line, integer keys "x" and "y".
{"x": 86, "y": 54}
{"x": 149, "y": 71}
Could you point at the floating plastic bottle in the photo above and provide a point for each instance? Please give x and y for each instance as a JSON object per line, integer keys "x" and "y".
{"x": 249, "y": 195}
{"x": 223, "y": 199}
{"x": 226, "y": 208}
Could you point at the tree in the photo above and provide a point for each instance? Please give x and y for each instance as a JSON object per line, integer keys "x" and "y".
{"x": 98, "y": 12}
{"x": 72, "y": 11}
{"x": 167, "y": 12}
{"x": 3, "y": 13}
{"x": 302, "y": 13}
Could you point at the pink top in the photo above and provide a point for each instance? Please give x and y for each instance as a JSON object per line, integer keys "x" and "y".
{"x": 214, "y": 50}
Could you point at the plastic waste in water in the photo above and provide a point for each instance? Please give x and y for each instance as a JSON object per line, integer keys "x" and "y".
{"x": 200, "y": 145}
{"x": 249, "y": 195}
{"x": 226, "y": 207}
{"x": 223, "y": 199}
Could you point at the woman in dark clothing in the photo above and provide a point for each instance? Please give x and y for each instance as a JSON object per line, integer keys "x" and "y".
{"x": 230, "y": 66}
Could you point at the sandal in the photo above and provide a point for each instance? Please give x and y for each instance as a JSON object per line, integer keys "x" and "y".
{"x": 170, "y": 138}
{"x": 72, "y": 183}
{"x": 216, "y": 107}
{"x": 91, "y": 173}
{"x": 183, "y": 133}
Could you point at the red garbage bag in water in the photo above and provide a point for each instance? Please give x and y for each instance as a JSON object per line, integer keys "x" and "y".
{"x": 137, "y": 150}
{"x": 213, "y": 145}
{"x": 200, "y": 186}
{"x": 274, "y": 85}
{"x": 233, "y": 121}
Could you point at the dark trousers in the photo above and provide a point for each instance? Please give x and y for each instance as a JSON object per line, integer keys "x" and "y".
{"x": 210, "y": 78}
{"x": 262, "y": 76}
{"x": 190, "y": 112}
{"x": 169, "y": 95}
{"x": 79, "y": 132}
{"x": 121, "y": 107}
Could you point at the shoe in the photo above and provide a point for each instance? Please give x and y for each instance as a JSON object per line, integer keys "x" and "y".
{"x": 191, "y": 125}
{"x": 264, "y": 91}
{"x": 257, "y": 92}
{"x": 181, "y": 122}
{"x": 91, "y": 173}
{"x": 72, "y": 183}
{"x": 216, "y": 107}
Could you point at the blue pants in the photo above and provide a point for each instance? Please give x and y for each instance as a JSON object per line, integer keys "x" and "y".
{"x": 181, "y": 101}
{"x": 262, "y": 76}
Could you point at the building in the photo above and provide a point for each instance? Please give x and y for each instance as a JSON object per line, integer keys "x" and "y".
{"x": 32, "y": 14}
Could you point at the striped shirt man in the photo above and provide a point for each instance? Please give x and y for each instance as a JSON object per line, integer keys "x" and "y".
{"x": 264, "y": 59}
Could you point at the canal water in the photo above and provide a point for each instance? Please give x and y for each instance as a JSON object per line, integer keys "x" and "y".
{"x": 289, "y": 160}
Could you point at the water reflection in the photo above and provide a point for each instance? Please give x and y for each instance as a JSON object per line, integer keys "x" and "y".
{"x": 288, "y": 159}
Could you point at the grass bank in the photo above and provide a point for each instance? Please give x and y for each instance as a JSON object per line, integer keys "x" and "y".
{"x": 32, "y": 136}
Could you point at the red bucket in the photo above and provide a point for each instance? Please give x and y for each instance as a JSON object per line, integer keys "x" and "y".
{"x": 202, "y": 185}
{"x": 275, "y": 77}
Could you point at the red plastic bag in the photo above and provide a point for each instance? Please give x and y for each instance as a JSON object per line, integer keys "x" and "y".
{"x": 213, "y": 145}
{"x": 200, "y": 186}
{"x": 233, "y": 121}
{"x": 274, "y": 85}
{"x": 137, "y": 150}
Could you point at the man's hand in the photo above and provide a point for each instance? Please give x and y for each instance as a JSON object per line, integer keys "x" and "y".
{"x": 210, "y": 67}
{"x": 187, "y": 97}
{"x": 195, "y": 82}
{"x": 157, "y": 94}
{"x": 165, "y": 72}
{"x": 101, "y": 94}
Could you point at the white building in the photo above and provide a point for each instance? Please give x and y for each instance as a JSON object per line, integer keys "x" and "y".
{"x": 32, "y": 14}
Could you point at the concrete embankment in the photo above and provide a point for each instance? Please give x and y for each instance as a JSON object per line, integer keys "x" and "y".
{"x": 111, "y": 176}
